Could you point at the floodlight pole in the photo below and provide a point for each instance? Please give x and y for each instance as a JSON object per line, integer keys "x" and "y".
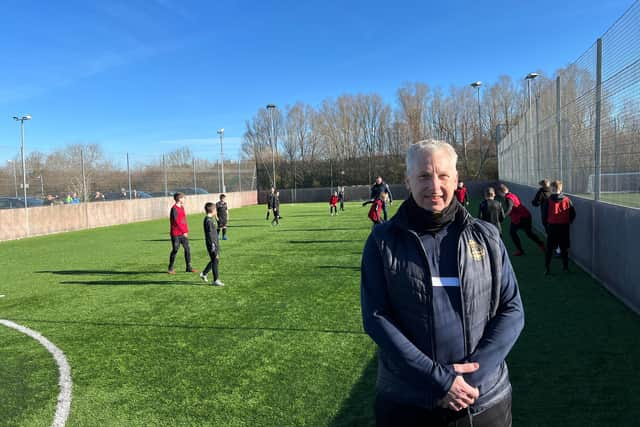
{"x": 529, "y": 78}
{"x": 221, "y": 133}
{"x": 476, "y": 85}
{"x": 129, "y": 175}
{"x": 274, "y": 141}
{"x": 24, "y": 169}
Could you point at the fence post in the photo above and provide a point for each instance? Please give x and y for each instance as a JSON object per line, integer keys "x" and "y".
{"x": 559, "y": 129}
{"x": 84, "y": 178}
{"x": 498, "y": 139}
{"x": 164, "y": 166}
{"x": 526, "y": 148}
{"x": 538, "y": 147}
{"x": 195, "y": 181}
{"x": 597, "y": 147}
{"x": 597, "y": 162}
{"x": 239, "y": 178}
{"x": 129, "y": 175}
{"x": 254, "y": 178}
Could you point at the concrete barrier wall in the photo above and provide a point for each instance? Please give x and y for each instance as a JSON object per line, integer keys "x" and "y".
{"x": 604, "y": 241}
{"x": 38, "y": 221}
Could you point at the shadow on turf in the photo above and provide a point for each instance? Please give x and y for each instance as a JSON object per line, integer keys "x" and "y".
{"x": 128, "y": 282}
{"x": 315, "y": 215}
{"x": 307, "y": 242}
{"x": 339, "y": 267}
{"x": 357, "y": 410}
{"x": 167, "y": 240}
{"x": 94, "y": 272}
{"x": 320, "y": 229}
{"x": 183, "y": 326}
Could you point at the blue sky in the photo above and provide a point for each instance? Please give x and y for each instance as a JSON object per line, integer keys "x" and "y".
{"x": 147, "y": 76}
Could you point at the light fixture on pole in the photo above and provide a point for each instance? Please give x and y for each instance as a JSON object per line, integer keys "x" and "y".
{"x": 476, "y": 85}
{"x": 274, "y": 142}
{"x": 24, "y": 169}
{"x": 15, "y": 176}
{"x": 221, "y": 133}
{"x": 529, "y": 78}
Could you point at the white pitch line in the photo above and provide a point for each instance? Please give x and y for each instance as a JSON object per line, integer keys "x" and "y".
{"x": 64, "y": 397}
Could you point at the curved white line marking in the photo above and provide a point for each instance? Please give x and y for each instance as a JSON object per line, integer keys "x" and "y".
{"x": 64, "y": 397}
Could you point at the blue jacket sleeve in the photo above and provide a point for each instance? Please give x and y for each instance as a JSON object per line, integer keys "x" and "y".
{"x": 503, "y": 330}
{"x": 415, "y": 366}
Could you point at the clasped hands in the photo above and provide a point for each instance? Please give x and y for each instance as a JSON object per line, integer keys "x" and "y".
{"x": 461, "y": 395}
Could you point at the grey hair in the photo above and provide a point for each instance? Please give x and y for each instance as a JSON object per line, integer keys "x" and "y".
{"x": 428, "y": 146}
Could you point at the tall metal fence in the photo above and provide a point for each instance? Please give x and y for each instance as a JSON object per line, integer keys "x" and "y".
{"x": 583, "y": 126}
{"x": 88, "y": 176}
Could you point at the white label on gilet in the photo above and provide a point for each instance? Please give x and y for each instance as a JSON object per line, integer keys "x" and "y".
{"x": 445, "y": 281}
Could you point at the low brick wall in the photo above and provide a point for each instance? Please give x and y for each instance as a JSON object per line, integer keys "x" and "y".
{"x": 39, "y": 221}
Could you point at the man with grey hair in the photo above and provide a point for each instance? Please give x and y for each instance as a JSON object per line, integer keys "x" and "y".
{"x": 440, "y": 299}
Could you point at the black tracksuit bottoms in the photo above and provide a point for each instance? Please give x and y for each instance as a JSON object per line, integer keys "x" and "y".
{"x": 212, "y": 266}
{"x": 558, "y": 235}
{"x": 525, "y": 224}
{"x": 176, "y": 241}
{"x": 392, "y": 414}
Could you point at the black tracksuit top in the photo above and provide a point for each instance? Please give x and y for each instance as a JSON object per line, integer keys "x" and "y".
{"x": 211, "y": 235}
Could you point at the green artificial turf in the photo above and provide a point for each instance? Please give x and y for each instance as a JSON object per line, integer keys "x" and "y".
{"x": 631, "y": 200}
{"x": 282, "y": 343}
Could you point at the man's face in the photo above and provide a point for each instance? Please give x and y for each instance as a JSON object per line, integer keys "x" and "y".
{"x": 378, "y": 180}
{"x": 181, "y": 200}
{"x": 433, "y": 181}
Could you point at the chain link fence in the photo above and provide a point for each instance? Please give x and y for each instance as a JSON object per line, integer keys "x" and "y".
{"x": 583, "y": 127}
{"x": 78, "y": 174}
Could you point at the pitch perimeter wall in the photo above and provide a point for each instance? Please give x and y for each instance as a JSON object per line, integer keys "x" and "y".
{"x": 42, "y": 220}
{"x": 604, "y": 242}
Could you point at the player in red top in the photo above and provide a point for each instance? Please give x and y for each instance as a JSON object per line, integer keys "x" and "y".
{"x": 333, "y": 204}
{"x": 520, "y": 219}
{"x": 461, "y": 194}
{"x": 179, "y": 232}
{"x": 560, "y": 213}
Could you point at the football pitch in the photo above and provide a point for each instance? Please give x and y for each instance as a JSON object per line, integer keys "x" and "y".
{"x": 631, "y": 200}
{"x": 282, "y": 343}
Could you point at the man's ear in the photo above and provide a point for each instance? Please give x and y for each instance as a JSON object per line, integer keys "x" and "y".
{"x": 457, "y": 179}
{"x": 406, "y": 183}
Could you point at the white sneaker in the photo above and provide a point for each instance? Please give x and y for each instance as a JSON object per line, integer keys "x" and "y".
{"x": 218, "y": 283}
{"x": 204, "y": 277}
